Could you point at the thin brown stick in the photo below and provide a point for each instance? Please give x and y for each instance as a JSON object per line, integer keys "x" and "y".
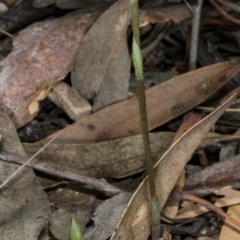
{"x": 235, "y": 7}
{"x": 195, "y": 34}
{"x": 188, "y": 5}
{"x": 225, "y": 14}
{"x": 99, "y": 184}
{"x": 187, "y": 197}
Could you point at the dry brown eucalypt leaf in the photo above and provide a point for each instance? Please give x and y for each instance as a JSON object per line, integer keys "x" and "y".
{"x": 135, "y": 222}
{"x": 122, "y": 119}
{"x": 104, "y": 74}
{"x": 101, "y": 159}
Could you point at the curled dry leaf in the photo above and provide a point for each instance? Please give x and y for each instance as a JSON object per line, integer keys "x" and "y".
{"x": 42, "y": 55}
{"x": 101, "y": 69}
{"x": 164, "y": 102}
{"x": 116, "y": 158}
{"x": 24, "y": 206}
{"x": 136, "y": 220}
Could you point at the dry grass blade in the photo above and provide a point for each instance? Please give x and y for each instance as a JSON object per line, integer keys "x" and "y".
{"x": 135, "y": 223}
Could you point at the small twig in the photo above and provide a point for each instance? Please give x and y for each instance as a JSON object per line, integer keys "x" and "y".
{"x": 203, "y": 159}
{"x": 210, "y": 109}
{"x": 235, "y": 7}
{"x": 204, "y": 191}
{"x": 188, "y": 5}
{"x": 225, "y": 14}
{"x": 180, "y": 196}
{"x": 30, "y": 159}
{"x": 99, "y": 184}
{"x": 6, "y": 33}
{"x": 195, "y": 35}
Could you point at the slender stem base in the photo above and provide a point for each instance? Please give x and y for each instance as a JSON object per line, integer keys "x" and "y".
{"x": 138, "y": 65}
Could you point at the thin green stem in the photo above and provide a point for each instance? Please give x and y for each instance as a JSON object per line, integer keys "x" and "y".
{"x": 135, "y": 21}
{"x": 138, "y": 65}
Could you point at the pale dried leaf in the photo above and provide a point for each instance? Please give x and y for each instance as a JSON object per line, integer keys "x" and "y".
{"x": 231, "y": 196}
{"x": 191, "y": 210}
{"x": 115, "y": 158}
{"x": 166, "y": 235}
{"x": 103, "y": 159}
{"x": 229, "y": 230}
{"x": 72, "y": 103}
{"x": 101, "y": 69}
{"x": 136, "y": 221}
{"x": 24, "y": 206}
{"x": 107, "y": 216}
{"x": 171, "y": 208}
